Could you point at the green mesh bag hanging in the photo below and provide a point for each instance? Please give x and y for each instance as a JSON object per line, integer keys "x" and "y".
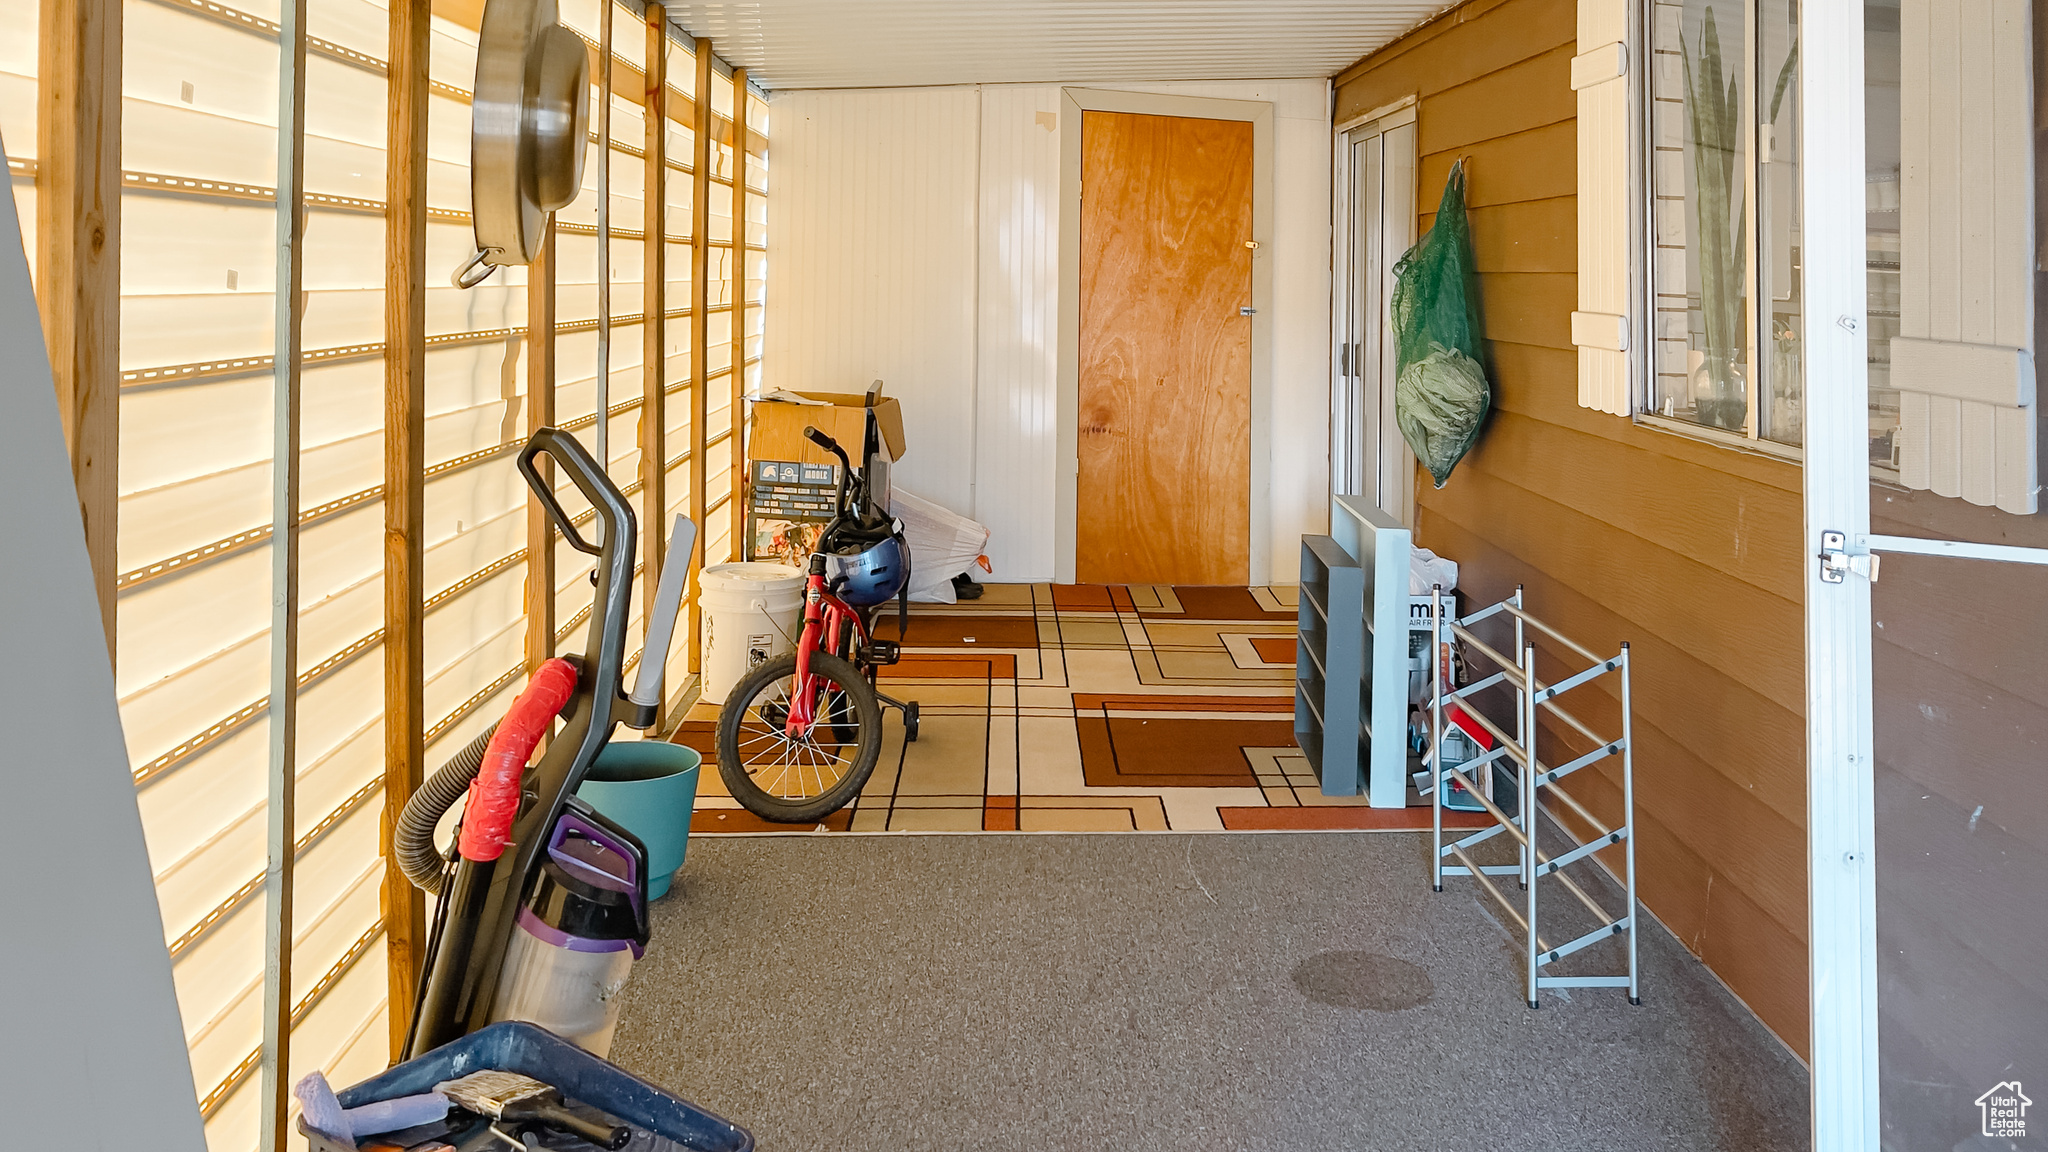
{"x": 1440, "y": 389}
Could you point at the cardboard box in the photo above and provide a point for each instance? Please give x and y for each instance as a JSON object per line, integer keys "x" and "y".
{"x": 792, "y": 484}
{"x": 777, "y": 428}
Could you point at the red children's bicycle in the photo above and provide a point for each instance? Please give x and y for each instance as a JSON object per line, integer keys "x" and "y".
{"x": 800, "y": 734}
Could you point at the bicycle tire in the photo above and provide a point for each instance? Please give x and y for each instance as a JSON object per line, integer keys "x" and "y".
{"x": 767, "y": 688}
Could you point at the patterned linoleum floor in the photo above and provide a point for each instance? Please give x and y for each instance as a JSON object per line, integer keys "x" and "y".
{"x": 1086, "y": 708}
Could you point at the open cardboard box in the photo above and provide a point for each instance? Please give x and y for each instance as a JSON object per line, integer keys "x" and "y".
{"x": 777, "y": 429}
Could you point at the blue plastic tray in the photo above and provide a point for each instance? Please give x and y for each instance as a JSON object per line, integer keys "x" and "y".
{"x": 514, "y": 1046}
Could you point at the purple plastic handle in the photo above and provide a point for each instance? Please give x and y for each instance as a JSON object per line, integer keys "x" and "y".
{"x": 571, "y": 821}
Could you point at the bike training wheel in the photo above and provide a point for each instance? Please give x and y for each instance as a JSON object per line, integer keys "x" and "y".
{"x": 796, "y": 781}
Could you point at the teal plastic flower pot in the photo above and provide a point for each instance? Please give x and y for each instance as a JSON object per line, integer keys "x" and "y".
{"x": 650, "y": 788}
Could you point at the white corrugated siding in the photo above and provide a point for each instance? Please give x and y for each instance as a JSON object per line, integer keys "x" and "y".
{"x": 193, "y": 655}
{"x": 1018, "y": 367}
{"x": 873, "y": 226}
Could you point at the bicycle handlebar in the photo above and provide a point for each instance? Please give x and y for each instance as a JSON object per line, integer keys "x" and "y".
{"x": 827, "y": 443}
{"x": 812, "y": 434}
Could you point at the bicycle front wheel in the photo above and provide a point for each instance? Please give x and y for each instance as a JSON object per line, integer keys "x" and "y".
{"x": 795, "y": 779}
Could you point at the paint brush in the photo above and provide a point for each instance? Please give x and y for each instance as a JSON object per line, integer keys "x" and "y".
{"x": 512, "y": 1097}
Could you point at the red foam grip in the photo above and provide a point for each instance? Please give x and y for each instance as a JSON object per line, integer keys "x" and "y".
{"x": 494, "y": 794}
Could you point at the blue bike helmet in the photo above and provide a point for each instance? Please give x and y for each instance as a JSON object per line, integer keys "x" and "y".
{"x": 869, "y": 569}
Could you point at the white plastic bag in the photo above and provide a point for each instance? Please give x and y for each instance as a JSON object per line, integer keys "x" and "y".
{"x": 1427, "y": 569}
{"x": 943, "y": 544}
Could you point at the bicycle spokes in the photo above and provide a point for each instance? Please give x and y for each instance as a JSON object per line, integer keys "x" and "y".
{"x": 790, "y": 756}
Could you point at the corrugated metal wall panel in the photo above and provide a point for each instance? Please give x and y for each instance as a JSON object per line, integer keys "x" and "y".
{"x": 1018, "y": 361}
{"x": 873, "y": 231}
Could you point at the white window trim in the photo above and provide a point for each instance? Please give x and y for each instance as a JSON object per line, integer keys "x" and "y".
{"x": 1348, "y": 441}
{"x": 1066, "y": 484}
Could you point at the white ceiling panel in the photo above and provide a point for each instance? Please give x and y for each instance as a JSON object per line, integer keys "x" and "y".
{"x": 894, "y": 43}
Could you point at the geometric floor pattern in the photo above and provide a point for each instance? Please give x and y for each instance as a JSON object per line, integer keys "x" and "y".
{"x": 1085, "y": 708}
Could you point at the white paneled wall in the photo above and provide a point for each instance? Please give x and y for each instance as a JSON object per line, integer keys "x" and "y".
{"x": 877, "y": 191}
{"x": 916, "y": 240}
{"x": 1018, "y": 378}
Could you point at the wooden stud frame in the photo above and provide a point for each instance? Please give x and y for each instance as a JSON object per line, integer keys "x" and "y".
{"x": 736, "y": 277}
{"x": 405, "y": 464}
{"x": 654, "y": 330}
{"x": 540, "y": 413}
{"x": 280, "y": 816}
{"x": 78, "y": 256}
{"x": 700, "y": 308}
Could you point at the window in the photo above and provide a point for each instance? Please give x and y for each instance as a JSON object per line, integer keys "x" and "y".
{"x": 1724, "y": 220}
{"x": 1705, "y": 336}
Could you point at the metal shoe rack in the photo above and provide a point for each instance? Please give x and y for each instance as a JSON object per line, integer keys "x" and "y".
{"x": 1536, "y": 784}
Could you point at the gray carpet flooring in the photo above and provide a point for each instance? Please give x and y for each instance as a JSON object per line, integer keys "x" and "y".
{"x": 1167, "y": 992}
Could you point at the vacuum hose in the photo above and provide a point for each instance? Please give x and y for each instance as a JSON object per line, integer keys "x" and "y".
{"x": 413, "y": 839}
{"x": 494, "y": 793}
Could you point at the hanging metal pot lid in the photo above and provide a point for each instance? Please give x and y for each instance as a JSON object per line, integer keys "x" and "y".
{"x": 530, "y": 121}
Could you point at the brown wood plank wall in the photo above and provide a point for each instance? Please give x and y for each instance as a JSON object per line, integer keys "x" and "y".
{"x": 1687, "y": 550}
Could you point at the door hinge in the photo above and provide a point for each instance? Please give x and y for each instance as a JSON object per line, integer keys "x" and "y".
{"x": 1836, "y": 561}
{"x": 1247, "y": 310}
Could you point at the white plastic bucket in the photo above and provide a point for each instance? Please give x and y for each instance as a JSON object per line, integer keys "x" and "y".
{"x": 752, "y": 613}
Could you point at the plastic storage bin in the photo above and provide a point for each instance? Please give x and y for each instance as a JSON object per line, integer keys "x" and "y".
{"x": 663, "y": 1121}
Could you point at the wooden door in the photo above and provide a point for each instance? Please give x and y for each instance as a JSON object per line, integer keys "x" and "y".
{"x": 1164, "y": 492}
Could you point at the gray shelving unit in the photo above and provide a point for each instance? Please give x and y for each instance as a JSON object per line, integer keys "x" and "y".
{"x": 1329, "y": 654}
{"x": 1380, "y": 545}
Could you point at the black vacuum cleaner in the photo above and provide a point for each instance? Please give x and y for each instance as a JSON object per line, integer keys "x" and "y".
{"x": 525, "y": 837}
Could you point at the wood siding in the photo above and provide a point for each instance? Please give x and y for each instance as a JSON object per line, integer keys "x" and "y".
{"x": 1687, "y": 550}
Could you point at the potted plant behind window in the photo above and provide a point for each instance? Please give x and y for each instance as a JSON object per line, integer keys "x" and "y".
{"x": 1714, "y": 111}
